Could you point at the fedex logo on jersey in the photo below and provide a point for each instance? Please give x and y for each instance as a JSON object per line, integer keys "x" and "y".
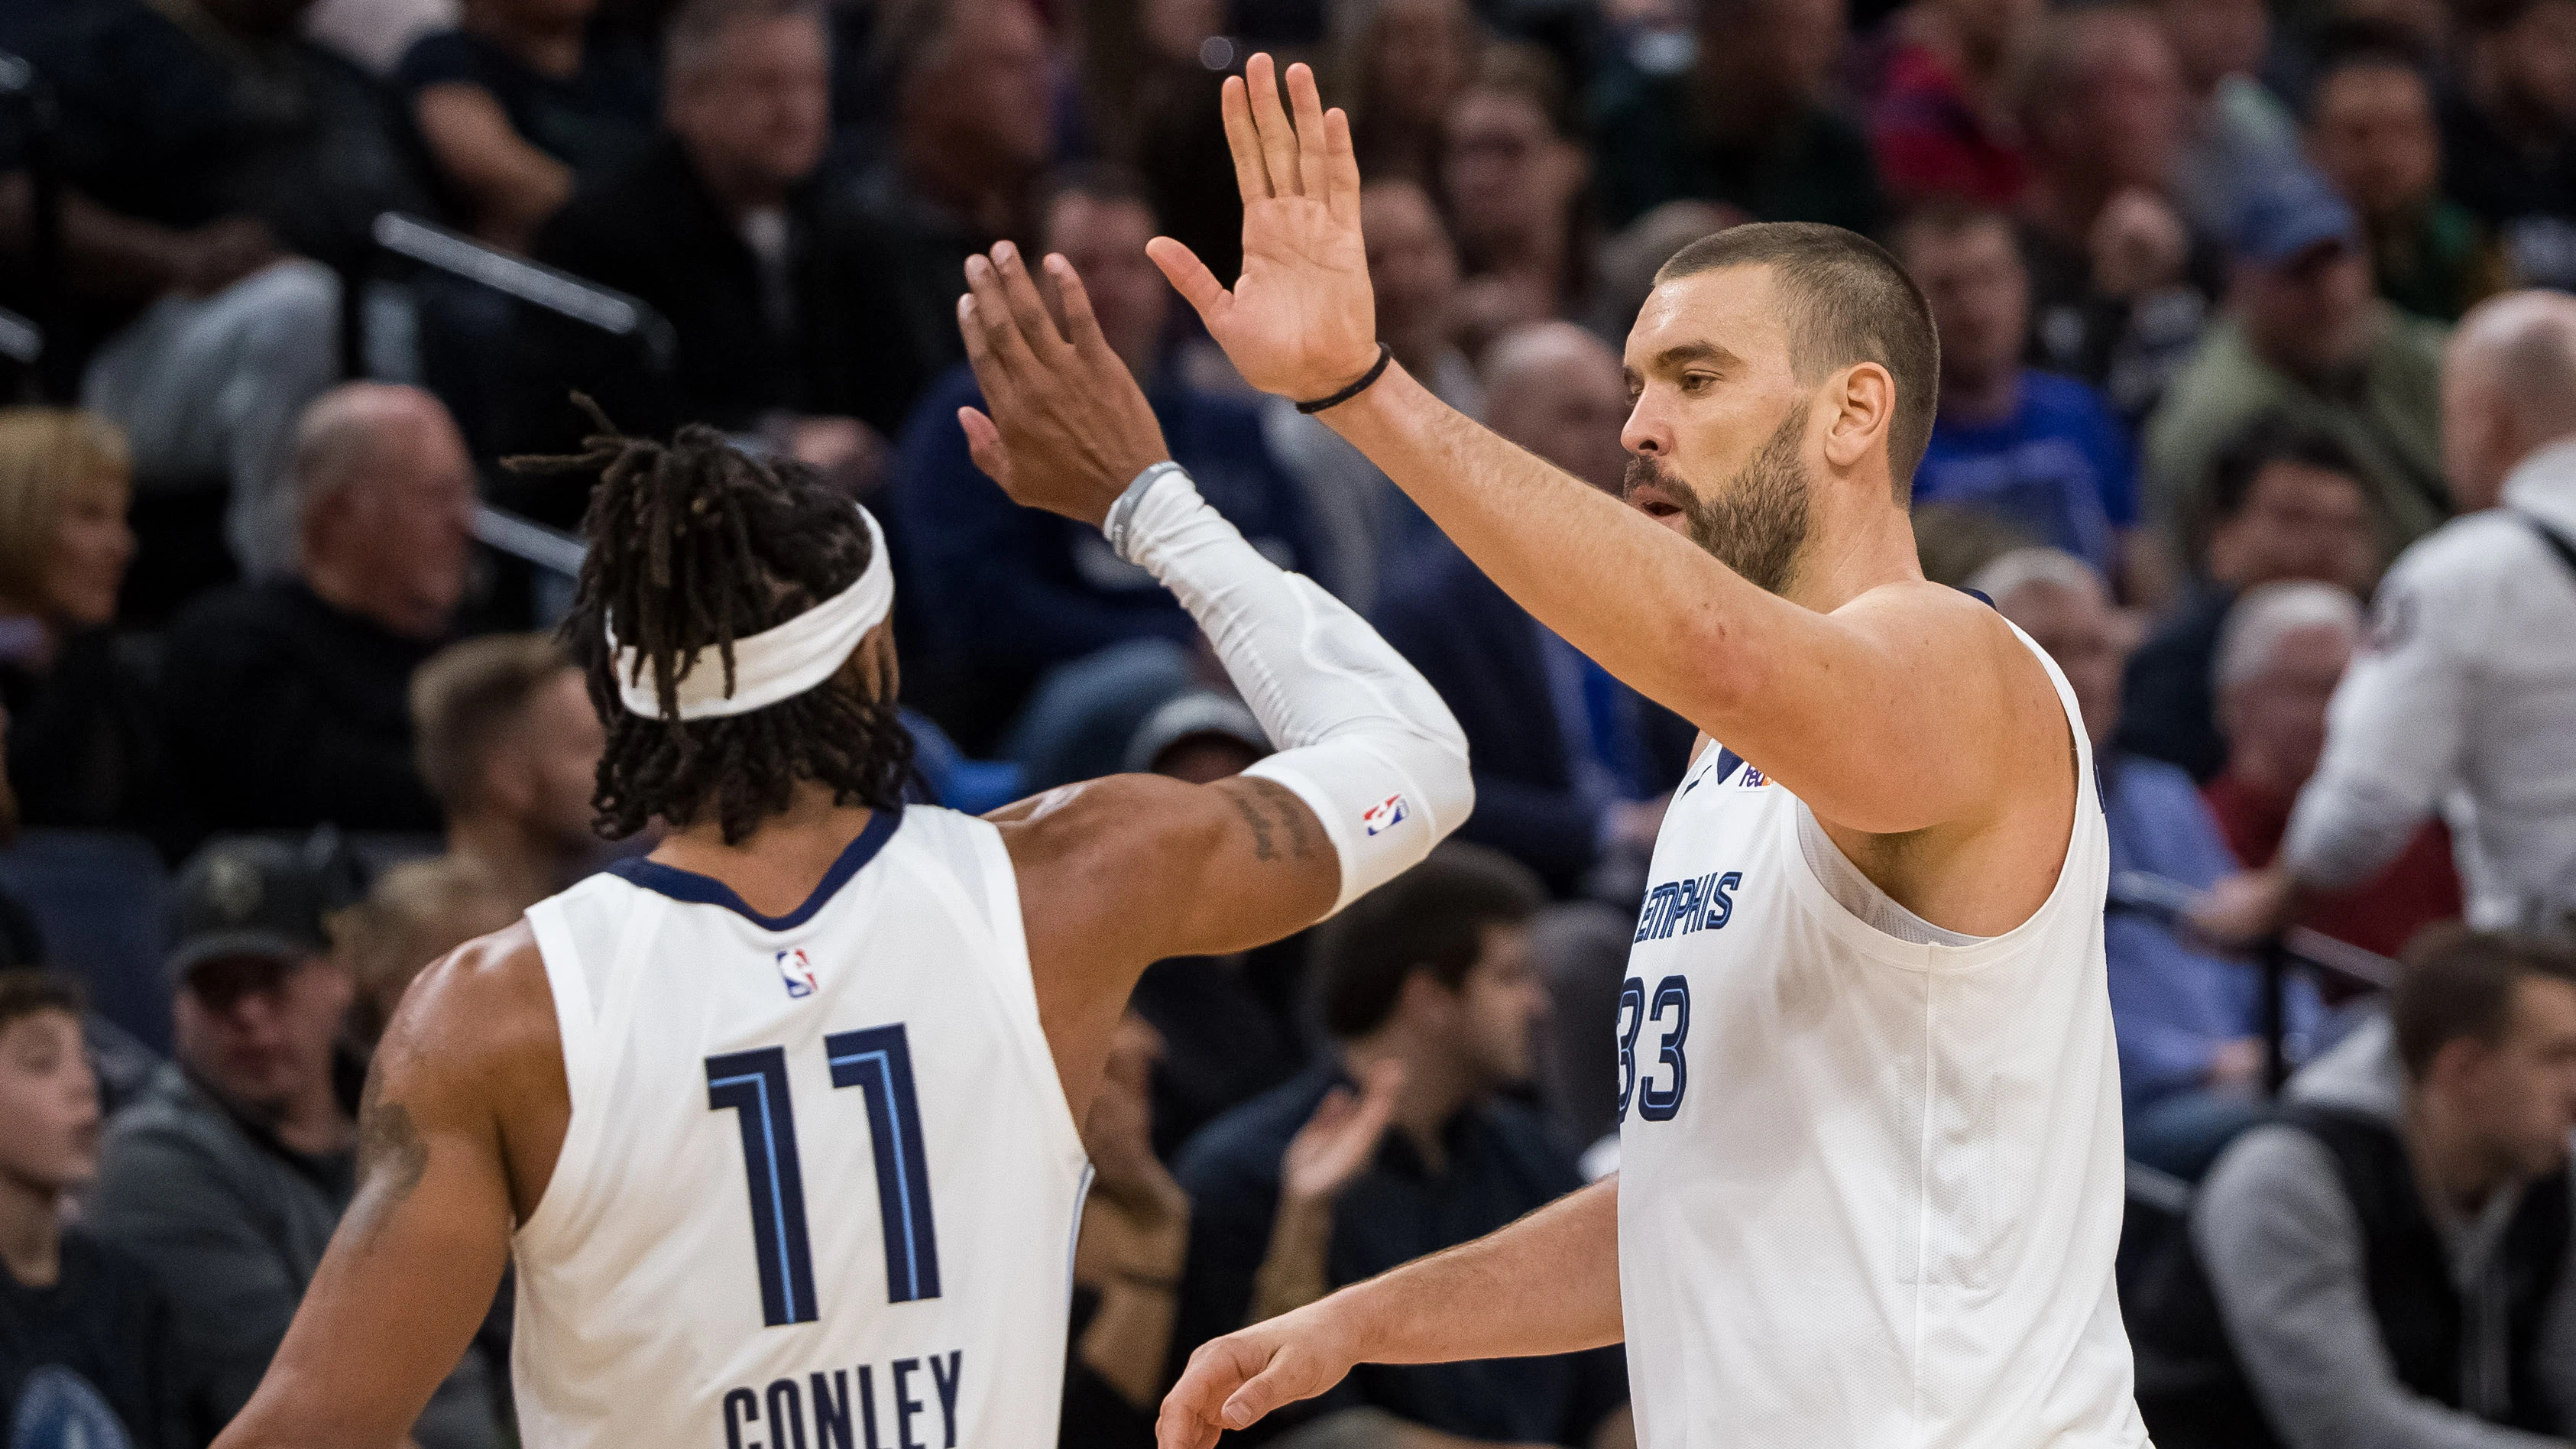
{"x": 1385, "y": 815}
{"x": 795, "y": 973}
{"x": 1706, "y": 903}
{"x": 1754, "y": 779}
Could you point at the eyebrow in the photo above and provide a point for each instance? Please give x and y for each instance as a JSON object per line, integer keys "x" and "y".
{"x": 1674, "y": 356}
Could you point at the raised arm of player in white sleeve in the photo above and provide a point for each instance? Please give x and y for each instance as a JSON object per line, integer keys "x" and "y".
{"x": 1364, "y": 740}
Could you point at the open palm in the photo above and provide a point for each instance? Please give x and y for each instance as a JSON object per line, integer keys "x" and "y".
{"x": 1300, "y": 321}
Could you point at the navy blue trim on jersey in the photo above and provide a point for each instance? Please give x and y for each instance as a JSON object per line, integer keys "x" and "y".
{"x": 696, "y": 889}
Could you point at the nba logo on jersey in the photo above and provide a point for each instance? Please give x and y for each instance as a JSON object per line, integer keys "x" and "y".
{"x": 1385, "y": 815}
{"x": 1754, "y": 779}
{"x": 796, "y": 974}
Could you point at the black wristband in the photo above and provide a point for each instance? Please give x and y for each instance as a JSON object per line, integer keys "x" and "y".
{"x": 1384, "y": 356}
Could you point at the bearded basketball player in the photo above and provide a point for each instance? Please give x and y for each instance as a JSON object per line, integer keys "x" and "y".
{"x": 779, "y": 1122}
{"x": 1872, "y": 1172}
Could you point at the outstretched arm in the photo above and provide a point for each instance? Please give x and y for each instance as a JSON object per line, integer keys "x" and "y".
{"x": 1547, "y": 1284}
{"x": 1822, "y": 701}
{"x": 411, "y": 1271}
{"x": 1371, "y": 769}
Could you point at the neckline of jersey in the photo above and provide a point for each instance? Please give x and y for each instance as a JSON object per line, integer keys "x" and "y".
{"x": 704, "y": 890}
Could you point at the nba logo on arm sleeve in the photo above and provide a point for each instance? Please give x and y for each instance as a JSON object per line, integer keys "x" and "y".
{"x": 795, "y": 973}
{"x": 1385, "y": 815}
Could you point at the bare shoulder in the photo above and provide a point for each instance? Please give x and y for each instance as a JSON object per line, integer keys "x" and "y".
{"x": 482, "y": 1006}
{"x": 473, "y": 1049}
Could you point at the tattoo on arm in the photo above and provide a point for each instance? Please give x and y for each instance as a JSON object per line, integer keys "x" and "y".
{"x": 391, "y": 1159}
{"x": 1270, "y": 809}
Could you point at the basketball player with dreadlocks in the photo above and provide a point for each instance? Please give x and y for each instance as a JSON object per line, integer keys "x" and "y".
{"x": 779, "y": 1122}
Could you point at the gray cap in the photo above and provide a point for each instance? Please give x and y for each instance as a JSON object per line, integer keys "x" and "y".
{"x": 1186, "y": 715}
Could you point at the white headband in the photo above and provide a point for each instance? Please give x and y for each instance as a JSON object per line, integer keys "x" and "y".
{"x": 774, "y": 664}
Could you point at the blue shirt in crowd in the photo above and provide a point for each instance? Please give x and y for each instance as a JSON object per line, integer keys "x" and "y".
{"x": 2171, "y": 1005}
{"x": 2060, "y": 468}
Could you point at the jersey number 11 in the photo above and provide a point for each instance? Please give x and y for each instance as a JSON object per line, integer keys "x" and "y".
{"x": 753, "y": 1084}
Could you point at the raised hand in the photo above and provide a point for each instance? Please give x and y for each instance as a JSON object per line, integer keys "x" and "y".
{"x": 1069, "y": 428}
{"x": 1340, "y": 1140}
{"x": 1300, "y": 321}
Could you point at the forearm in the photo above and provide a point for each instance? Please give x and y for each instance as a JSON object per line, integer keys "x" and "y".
{"x": 1547, "y": 1284}
{"x": 1550, "y": 540}
{"x": 1363, "y": 739}
{"x": 2347, "y": 829}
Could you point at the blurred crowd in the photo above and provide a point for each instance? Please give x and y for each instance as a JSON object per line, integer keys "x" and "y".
{"x": 2257, "y": 411}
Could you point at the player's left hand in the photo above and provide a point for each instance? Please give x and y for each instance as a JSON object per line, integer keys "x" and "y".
{"x": 1231, "y": 1382}
{"x": 1068, "y": 428}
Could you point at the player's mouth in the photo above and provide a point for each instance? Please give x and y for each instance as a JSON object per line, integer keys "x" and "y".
{"x": 1650, "y": 495}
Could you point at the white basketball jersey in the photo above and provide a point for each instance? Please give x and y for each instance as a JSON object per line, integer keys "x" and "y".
{"x": 1870, "y": 1185}
{"x": 820, "y": 1185}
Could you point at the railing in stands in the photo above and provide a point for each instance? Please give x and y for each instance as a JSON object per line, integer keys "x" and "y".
{"x": 528, "y": 541}
{"x": 2170, "y": 902}
{"x": 21, "y": 341}
{"x": 534, "y": 283}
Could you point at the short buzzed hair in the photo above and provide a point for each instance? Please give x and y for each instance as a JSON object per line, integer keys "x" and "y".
{"x": 2457, "y": 983}
{"x": 697, "y": 27}
{"x": 466, "y": 697}
{"x": 1848, "y": 302}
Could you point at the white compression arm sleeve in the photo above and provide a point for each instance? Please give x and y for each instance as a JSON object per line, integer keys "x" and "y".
{"x": 1362, "y": 737}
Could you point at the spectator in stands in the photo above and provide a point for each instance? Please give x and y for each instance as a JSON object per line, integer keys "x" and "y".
{"x": 2371, "y": 131}
{"x": 203, "y": 149}
{"x": 1745, "y": 125}
{"x": 2119, "y": 285}
{"x": 1003, "y": 591}
{"x": 2509, "y": 131}
{"x": 2041, "y": 452}
{"x": 1363, "y": 524}
{"x": 1126, "y": 1263}
{"x": 521, "y": 101}
{"x": 1940, "y": 124}
{"x": 2285, "y": 649}
{"x": 83, "y": 748}
{"x": 2188, "y": 1023}
{"x": 2305, "y": 337}
{"x": 229, "y": 1175}
{"x": 2470, "y": 677}
{"x": 1430, "y": 994}
{"x": 1515, "y": 179}
{"x": 2236, "y": 134}
{"x": 2385, "y": 1263}
{"x": 285, "y": 700}
{"x": 771, "y": 294}
{"x": 509, "y": 747}
{"x": 1573, "y": 769}
{"x": 2285, "y": 502}
{"x": 973, "y": 131}
{"x": 1401, "y": 64}
{"x": 87, "y": 1351}
{"x": 413, "y": 914}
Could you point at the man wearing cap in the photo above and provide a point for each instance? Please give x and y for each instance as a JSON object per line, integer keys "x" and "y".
{"x": 228, "y": 1175}
{"x": 2305, "y": 335}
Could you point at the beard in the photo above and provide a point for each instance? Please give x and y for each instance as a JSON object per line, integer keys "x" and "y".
{"x": 1757, "y": 523}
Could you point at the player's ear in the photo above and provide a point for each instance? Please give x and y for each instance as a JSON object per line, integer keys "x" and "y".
{"x": 1863, "y": 399}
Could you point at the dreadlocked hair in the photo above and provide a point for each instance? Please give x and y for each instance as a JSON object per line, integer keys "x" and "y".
{"x": 698, "y": 544}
